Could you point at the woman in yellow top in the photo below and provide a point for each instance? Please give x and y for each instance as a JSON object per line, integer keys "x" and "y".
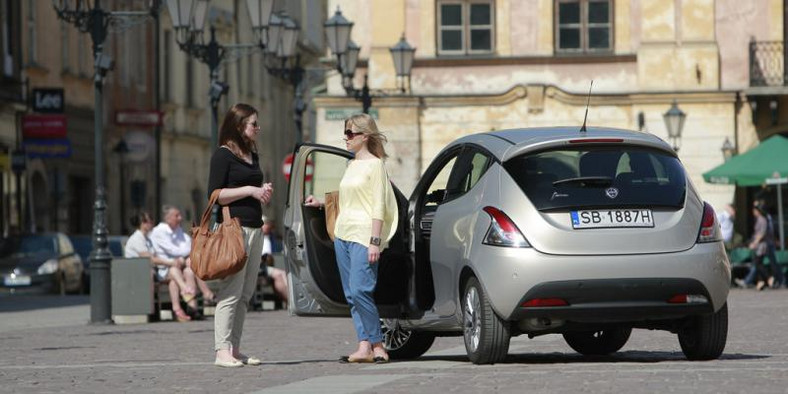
{"x": 367, "y": 220}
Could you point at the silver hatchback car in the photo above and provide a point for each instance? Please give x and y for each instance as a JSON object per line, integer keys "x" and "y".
{"x": 529, "y": 232}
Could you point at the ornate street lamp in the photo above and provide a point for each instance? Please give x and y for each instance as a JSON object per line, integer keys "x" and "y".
{"x": 403, "y": 54}
{"x": 338, "y": 36}
{"x": 97, "y": 22}
{"x": 338, "y": 32}
{"x": 674, "y": 121}
{"x": 260, "y": 15}
{"x": 728, "y": 150}
{"x": 276, "y": 35}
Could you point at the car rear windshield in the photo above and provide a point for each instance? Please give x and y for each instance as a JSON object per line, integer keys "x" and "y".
{"x": 599, "y": 177}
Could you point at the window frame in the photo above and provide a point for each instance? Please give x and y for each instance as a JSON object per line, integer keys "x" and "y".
{"x": 465, "y": 28}
{"x": 584, "y": 27}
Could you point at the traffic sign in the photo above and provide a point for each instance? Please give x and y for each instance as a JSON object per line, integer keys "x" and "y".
{"x": 287, "y": 165}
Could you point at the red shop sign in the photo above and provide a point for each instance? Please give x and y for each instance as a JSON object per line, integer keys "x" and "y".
{"x": 44, "y": 126}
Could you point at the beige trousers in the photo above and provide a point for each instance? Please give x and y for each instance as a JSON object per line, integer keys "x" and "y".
{"x": 234, "y": 294}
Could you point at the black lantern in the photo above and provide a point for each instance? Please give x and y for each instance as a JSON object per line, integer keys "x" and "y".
{"x": 728, "y": 150}
{"x": 674, "y": 122}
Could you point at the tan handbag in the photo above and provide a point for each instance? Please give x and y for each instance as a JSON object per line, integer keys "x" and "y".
{"x": 219, "y": 253}
{"x": 332, "y": 211}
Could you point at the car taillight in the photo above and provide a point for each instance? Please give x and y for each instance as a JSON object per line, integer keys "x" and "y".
{"x": 709, "y": 230}
{"x": 503, "y": 231}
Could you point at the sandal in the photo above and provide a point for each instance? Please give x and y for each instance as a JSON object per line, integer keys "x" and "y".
{"x": 181, "y": 316}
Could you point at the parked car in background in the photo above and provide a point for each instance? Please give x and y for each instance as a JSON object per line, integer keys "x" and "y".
{"x": 44, "y": 261}
{"x": 83, "y": 244}
{"x": 584, "y": 234}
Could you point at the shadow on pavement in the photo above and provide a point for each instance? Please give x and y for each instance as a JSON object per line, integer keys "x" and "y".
{"x": 19, "y": 302}
{"x": 570, "y": 358}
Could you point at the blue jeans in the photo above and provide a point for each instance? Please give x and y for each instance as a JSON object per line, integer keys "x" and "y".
{"x": 358, "y": 282}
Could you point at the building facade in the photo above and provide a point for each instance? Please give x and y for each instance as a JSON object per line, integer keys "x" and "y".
{"x": 485, "y": 65}
{"x": 156, "y": 112}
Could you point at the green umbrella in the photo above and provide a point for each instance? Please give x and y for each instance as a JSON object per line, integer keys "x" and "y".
{"x": 754, "y": 166}
{"x": 767, "y": 163}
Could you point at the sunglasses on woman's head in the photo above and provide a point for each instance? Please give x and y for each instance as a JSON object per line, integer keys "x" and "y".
{"x": 349, "y": 134}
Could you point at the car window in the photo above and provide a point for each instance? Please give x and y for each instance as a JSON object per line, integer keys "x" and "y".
{"x": 470, "y": 168}
{"x": 580, "y": 178}
{"x": 328, "y": 169}
{"x": 437, "y": 189}
{"x": 21, "y": 246}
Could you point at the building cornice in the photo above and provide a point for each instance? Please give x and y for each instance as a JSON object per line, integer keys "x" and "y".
{"x": 532, "y": 92}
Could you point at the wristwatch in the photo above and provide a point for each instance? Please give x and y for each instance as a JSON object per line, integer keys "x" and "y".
{"x": 374, "y": 241}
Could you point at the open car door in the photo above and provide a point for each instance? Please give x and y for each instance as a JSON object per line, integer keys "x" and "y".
{"x": 313, "y": 277}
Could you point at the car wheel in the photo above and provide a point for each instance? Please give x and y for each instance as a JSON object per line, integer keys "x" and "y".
{"x": 596, "y": 343}
{"x": 403, "y": 344}
{"x": 705, "y": 336}
{"x": 486, "y": 334}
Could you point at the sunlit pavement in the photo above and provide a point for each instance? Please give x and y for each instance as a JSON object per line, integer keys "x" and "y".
{"x": 48, "y": 347}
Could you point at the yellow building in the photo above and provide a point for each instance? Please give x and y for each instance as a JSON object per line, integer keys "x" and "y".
{"x": 493, "y": 64}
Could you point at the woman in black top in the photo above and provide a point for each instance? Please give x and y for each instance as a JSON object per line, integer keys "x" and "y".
{"x": 235, "y": 168}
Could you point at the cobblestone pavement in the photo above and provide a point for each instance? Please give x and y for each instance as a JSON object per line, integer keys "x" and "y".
{"x": 49, "y": 348}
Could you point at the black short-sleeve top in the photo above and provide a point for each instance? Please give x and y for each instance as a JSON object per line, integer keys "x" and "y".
{"x": 230, "y": 171}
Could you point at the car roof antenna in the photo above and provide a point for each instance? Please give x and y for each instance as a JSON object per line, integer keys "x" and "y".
{"x": 588, "y": 101}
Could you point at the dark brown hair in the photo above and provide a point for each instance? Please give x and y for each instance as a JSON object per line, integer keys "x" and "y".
{"x": 231, "y": 133}
{"x": 139, "y": 218}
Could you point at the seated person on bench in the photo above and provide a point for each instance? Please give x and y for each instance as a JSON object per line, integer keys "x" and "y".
{"x": 139, "y": 245}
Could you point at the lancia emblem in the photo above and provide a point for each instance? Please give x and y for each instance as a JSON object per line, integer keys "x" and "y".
{"x": 611, "y": 192}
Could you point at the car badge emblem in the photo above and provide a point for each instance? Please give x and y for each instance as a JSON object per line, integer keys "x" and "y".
{"x": 611, "y": 192}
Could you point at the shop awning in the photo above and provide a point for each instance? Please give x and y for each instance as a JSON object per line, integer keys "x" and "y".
{"x": 753, "y": 167}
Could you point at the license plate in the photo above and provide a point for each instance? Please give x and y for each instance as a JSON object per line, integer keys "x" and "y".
{"x": 21, "y": 280}
{"x": 611, "y": 218}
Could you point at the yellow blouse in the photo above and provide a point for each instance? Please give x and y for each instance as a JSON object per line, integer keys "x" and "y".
{"x": 365, "y": 193}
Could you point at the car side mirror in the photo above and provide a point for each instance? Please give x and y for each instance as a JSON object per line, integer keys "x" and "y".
{"x": 436, "y": 196}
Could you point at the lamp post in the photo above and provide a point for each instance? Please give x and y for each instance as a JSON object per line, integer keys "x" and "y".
{"x": 277, "y": 36}
{"x": 122, "y": 149}
{"x": 97, "y": 22}
{"x": 728, "y": 150}
{"x": 674, "y": 122}
{"x": 338, "y": 30}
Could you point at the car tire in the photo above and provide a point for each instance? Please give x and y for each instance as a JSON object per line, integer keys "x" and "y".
{"x": 404, "y": 344}
{"x": 485, "y": 334}
{"x": 705, "y": 336}
{"x": 600, "y": 342}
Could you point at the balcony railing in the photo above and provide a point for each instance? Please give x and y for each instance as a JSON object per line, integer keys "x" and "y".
{"x": 767, "y": 63}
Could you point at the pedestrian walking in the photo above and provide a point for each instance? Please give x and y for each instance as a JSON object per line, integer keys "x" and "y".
{"x": 763, "y": 245}
{"x": 235, "y": 168}
{"x": 367, "y": 220}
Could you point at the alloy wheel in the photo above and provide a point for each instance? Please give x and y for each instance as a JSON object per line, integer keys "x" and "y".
{"x": 472, "y": 321}
{"x": 394, "y": 337}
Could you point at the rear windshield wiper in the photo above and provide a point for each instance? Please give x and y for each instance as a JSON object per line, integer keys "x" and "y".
{"x": 586, "y": 181}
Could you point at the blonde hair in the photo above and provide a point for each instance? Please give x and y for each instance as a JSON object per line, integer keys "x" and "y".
{"x": 375, "y": 139}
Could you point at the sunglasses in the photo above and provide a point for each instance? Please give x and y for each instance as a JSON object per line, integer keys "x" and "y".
{"x": 349, "y": 134}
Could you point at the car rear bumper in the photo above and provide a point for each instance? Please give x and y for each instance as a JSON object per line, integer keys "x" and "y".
{"x": 604, "y": 288}
{"x": 614, "y": 300}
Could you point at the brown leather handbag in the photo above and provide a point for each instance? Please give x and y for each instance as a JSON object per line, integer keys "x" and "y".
{"x": 332, "y": 211}
{"x": 219, "y": 253}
